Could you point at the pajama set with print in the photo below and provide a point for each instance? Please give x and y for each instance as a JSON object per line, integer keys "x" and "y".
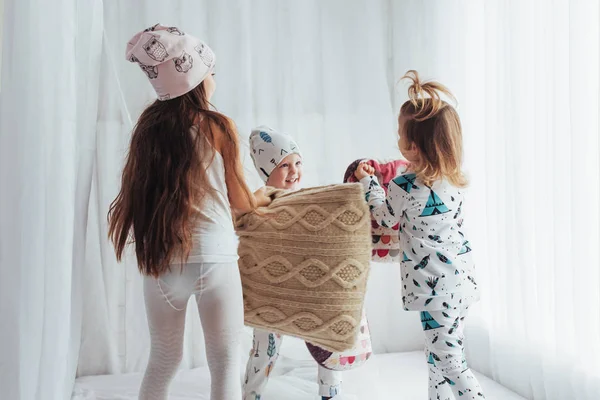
{"x": 263, "y": 356}
{"x": 437, "y": 273}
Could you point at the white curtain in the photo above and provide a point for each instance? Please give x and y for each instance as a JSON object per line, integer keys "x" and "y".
{"x": 532, "y": 119}
{"x": 47, "y": 132}
{"x": 526, "y": 74}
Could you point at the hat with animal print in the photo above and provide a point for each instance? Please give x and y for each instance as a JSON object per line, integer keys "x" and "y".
{"x": 175, "y": 62}
{"x": 268, "y": 147}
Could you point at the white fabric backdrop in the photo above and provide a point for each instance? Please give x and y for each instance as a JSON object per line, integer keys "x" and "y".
{"x": 535, "y": 158}
{"x": 527, "y": 78}
{"x": 46, "y": 156}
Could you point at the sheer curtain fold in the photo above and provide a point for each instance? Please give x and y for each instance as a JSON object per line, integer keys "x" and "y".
{"x": 538, "y": 182}
{"x": 526, "y": 75}
{"x": 46, "y": 150}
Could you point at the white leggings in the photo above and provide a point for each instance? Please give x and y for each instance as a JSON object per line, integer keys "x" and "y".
{"x": 218, "y": 292}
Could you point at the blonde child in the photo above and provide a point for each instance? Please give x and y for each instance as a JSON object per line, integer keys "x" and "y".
{"x": 278, "y": 160}
{"x": 427, "y": 200}
{"x": 182, "y": 177}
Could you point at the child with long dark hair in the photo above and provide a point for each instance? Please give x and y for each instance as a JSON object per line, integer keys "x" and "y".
{"x": 182, "y": 178}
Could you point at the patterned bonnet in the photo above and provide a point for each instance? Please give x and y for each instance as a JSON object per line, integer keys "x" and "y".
{"x": 175, "y": 62}
{"x": 268, "y": 147}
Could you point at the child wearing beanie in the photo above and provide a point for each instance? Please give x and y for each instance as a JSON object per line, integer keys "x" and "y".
{"x": 278, "y": 160}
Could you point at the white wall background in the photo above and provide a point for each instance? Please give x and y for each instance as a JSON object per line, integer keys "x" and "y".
{"x": 526, "y": 74}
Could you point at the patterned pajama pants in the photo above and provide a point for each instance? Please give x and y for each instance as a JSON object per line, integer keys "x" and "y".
{"x": 263, "y": 356}
{"x": 449, "y": 375}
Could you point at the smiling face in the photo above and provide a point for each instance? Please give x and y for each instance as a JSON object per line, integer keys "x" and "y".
{"x": 288, "y": 174}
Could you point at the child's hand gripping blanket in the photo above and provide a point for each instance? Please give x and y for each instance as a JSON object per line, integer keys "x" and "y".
{"x": 304, "y": 263}
{"x": 386, "y": 246}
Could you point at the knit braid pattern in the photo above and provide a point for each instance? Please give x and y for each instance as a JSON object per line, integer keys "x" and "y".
{"x": 304, "y": 263}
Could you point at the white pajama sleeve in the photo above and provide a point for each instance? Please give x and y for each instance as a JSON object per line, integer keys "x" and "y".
{"x": 386, "y": 211}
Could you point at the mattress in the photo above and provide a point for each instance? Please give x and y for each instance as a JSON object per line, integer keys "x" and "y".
{"x": 385, "y": 376}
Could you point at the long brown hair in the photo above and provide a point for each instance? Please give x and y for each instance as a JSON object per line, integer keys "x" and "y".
{"x": 164, "y": 178}
{"x": 434, "y": 127}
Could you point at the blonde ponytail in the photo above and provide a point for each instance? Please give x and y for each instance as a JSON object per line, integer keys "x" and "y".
{"x": 434, "y": 127}
{"x": 418, "y": 92}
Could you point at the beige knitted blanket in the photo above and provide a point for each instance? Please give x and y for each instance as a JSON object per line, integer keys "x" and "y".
{"x": 304, "y": 263}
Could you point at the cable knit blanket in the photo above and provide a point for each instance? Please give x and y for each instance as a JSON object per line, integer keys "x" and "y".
{"x": 304, "y": 263}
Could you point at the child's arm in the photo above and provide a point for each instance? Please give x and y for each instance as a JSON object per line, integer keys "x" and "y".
{"x": 234, "y": 175}
{"x": 386, "y": 211}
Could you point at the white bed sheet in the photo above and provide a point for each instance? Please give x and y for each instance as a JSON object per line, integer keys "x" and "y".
{"x": 386, "y": 376}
